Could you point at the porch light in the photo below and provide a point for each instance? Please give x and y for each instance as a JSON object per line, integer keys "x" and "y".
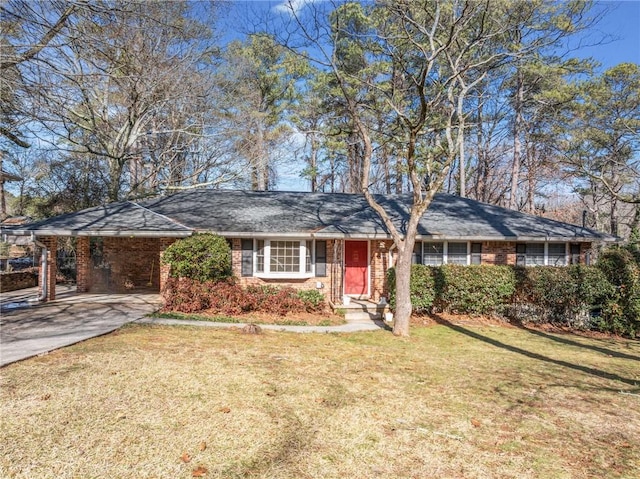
{"x": 382, "y": 246}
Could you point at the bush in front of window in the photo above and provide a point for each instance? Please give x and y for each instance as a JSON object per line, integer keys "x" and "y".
{"x": 186, "y": 295}
{"x": 202, "y": 257}
{"x": 474, "y": 289}
{"x": 421, "y": 287}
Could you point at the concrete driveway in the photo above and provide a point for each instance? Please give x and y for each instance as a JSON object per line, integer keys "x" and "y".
{"x": 28, "y": 329}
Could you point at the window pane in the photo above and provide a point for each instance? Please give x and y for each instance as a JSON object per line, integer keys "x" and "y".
{"x": 557, "y": 254}
{"x": 308, "y": 245}
{"x": 476, "y": 253}
{"x": 457, "y": 253}
{"x": 575, "y": 253}
{"x": 535, "y": 254}
{"x": 260, "y": 256}
{"x": 432, "y": 254}
{"x": 285, "y": 257}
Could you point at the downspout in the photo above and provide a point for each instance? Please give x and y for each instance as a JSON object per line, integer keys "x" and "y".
{"x": 44, "y": 263}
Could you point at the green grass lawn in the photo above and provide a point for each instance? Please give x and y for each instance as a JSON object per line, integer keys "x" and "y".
{"x": 449, "y": 402}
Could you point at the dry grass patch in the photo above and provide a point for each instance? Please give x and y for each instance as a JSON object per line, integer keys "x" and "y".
{"x": 451, "y": 401}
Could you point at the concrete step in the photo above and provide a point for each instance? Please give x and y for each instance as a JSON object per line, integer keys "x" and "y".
{"x": 362, "y": 315}
{"x": 362, "y": 310}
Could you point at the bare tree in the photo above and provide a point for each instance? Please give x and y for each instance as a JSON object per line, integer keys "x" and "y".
{"x": 430, "y": 45}
{"x": 127, "y": 83}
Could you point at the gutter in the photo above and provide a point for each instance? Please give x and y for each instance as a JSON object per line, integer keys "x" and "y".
{"x": 104, "y": 233}
{"x": 43, "y": 267}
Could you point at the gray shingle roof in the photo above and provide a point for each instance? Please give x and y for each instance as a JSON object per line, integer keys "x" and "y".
{"x": 274, "y": 213}
{"x": 115, "y": 219}
{"x": 229, "y": 211}
{"x": 454, "y": 217}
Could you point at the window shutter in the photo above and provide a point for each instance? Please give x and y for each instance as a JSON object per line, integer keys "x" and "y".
{"x": 417, "y": 253}
{"x": 321, "y": 258}
{"x": 247, "y": 257}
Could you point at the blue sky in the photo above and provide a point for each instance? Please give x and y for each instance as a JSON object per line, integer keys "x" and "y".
{"x": 622, "y": 25}
{"x": 614, "y": 40}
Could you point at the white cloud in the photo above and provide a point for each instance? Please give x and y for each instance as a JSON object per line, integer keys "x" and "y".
{"x": 291, "y": 7}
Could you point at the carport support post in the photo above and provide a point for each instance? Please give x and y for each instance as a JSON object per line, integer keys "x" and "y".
{"x": 83, "y": 265}
{"x": 51, "y": 243}
{"x": 164, "y": 268}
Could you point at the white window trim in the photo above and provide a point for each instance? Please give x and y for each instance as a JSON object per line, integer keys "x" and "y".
{"x": 546, "y": 254}
{"x": 267, "y": 274}
{"x": 567, "y": 252}
{"x": 445, "y": 251}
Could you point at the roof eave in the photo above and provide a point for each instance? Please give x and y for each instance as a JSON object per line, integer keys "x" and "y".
{"x": 99, "y": 233}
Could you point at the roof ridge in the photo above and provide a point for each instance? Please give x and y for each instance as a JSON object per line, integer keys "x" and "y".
{"x": 160, "y": 215}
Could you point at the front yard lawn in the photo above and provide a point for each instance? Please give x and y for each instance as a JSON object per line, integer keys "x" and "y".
{"x": 450, "y": 402}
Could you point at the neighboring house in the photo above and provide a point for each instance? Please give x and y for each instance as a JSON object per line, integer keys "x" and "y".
{"x": 331, "y": 241}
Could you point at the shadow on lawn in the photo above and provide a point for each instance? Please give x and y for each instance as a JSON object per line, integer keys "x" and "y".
{"x": 569, "y": 342}
{"x": 577, "y": 367}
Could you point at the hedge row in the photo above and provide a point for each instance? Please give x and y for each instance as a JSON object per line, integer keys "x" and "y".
{"x": 605, "y": 297}
{"x": 462, "y": 289}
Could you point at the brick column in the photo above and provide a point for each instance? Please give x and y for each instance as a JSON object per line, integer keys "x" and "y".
{"x": 379, "y": 265}
{"x": 51, "y": 243}
{"x": 164, "y": 268}
{"x": 334, "y": 262}
{"x": 83, "y": 265}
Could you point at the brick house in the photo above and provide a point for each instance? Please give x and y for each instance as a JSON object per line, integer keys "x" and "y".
{"x": 333, "y": 242}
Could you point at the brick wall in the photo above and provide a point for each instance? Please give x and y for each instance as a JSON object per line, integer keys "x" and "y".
{"x": 133, "y": 264}
{"x": 15, "y": 280}
{"x": 499, "y": 252}
{"x": 335, "y": 259}
{"x": 51, "y": 243}
{"x": 83, "y": 265}
{"x": 379, "y": 263}
{"x": 165, "y": 269}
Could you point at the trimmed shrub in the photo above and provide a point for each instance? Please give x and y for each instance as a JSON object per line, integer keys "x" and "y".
{"x": 313, "y": 298}
{"x": 202, "y": 257}
{"x": 572, "y": 295}
{"x": 621, "y": 314}
{"x": 422, "y": 288}
{"x": 560, "y": 295}
{"x": 474, "y": 289}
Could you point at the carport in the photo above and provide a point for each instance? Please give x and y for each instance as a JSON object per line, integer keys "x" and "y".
{"x": 118, "y": 248}
{"x": 30, "y": 329}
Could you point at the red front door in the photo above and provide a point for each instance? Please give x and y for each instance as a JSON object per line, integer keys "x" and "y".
{"x": 356, "y": 262}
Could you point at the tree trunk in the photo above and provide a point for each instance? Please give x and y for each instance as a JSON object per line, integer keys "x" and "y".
{"x": 463, "y": 169}
{"x": 399, "y": 177}
{"x": 531, "y": 181}
{"x": 3, "y": 204}
{"x": 313, "y": 163}
{"x": 116, "y": 166}
{"x": 517, "y": 145}
{"x": 403, "y": 292}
